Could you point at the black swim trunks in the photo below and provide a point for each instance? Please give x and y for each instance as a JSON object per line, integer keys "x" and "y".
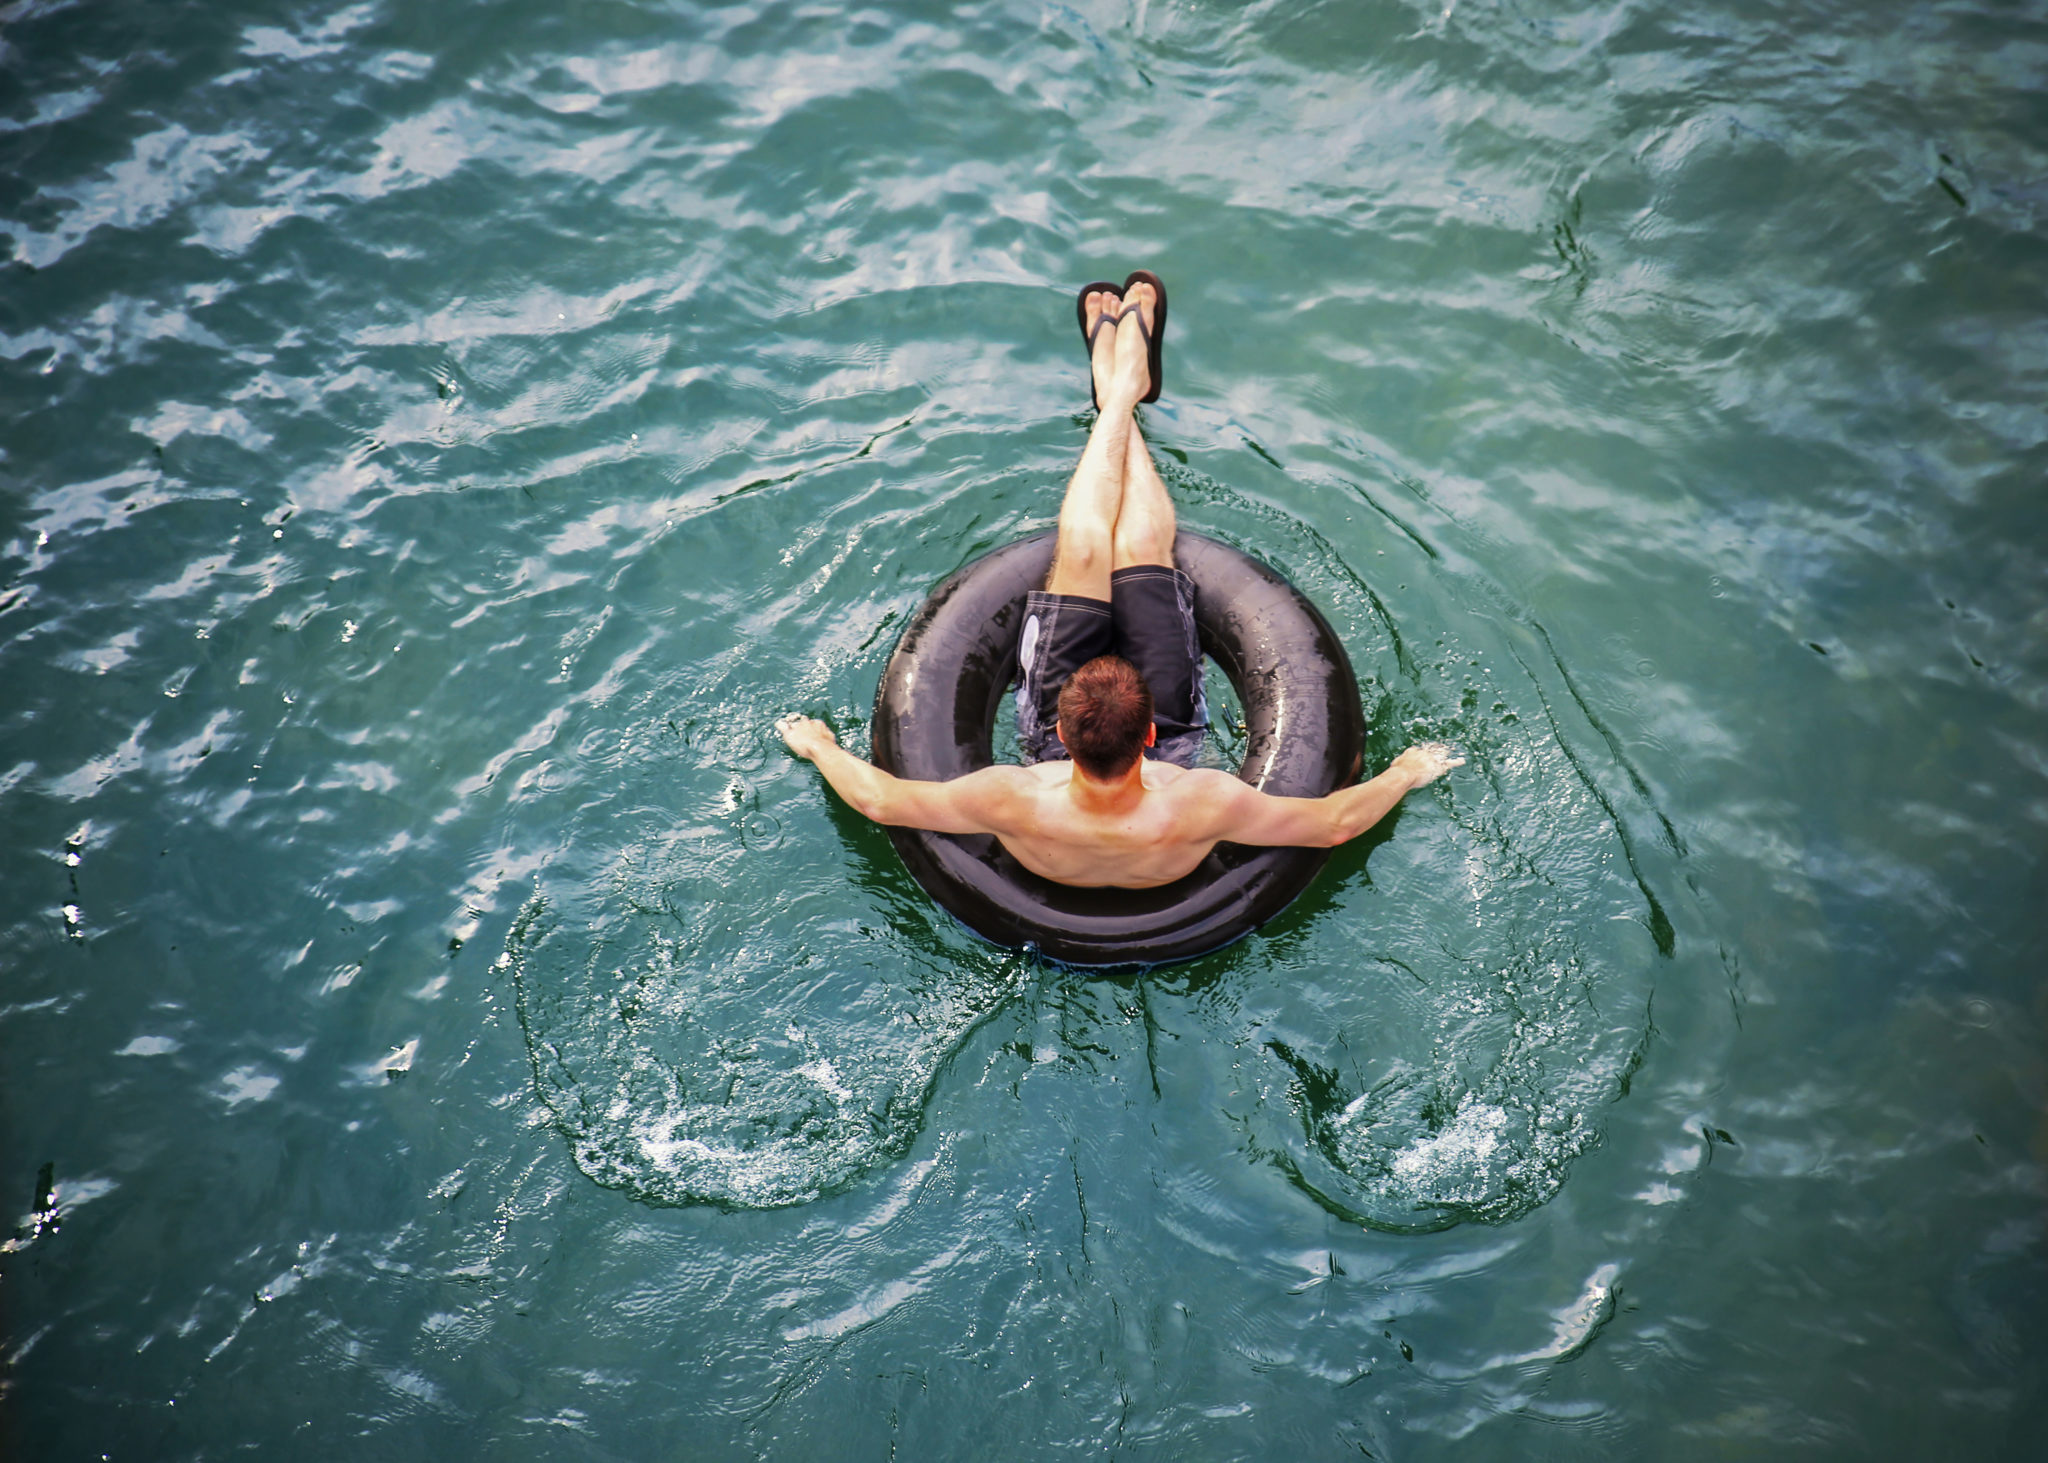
{"x": 1150, "y": 622}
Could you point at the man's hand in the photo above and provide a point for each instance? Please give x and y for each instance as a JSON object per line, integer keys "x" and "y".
{"x": 1425, "y": 762}
{"x": 805, "y": 735}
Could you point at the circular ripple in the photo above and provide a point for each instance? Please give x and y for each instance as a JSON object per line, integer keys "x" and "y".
{"x": 748, "y": 1042}
{"x": 1438, "y": 1041}
{"x": 694, "y": 1051}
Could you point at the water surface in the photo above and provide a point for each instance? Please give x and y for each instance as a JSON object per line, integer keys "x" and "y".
{"x": 438, "y": 1020}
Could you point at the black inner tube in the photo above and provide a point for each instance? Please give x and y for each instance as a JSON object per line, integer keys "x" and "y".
{"x": 944, "y": 686}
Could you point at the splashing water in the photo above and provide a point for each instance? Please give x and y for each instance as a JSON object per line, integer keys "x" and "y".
{"x": 692, "y": 1052}
{"x": 1448, "y": 1057}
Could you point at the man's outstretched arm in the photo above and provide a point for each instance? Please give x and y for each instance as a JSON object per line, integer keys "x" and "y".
{"x": 1253, "y": 817}
{"x": 970, "y": 804}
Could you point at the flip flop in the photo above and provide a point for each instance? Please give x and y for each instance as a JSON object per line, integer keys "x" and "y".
{"x": 1155, "y": 338}
{"x": 1105, "y": 318}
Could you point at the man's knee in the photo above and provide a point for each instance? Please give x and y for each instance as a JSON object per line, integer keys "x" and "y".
{"x": 1147, "y": 540}
{"x": 1084, "y": 551}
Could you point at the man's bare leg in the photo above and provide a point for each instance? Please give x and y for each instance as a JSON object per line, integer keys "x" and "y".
{"x": 1145, "y": 523}
{"x": 1095, "y": 495}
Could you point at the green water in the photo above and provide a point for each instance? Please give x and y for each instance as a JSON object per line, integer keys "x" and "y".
{"x": 437, "y": 1020}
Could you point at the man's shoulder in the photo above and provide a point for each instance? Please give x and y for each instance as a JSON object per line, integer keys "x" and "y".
{"x": 1198, "y": 795}
{"x": 1002, "y": 777}
{"x": 1004, "y": 790}
{"x": 1205, "y": 782}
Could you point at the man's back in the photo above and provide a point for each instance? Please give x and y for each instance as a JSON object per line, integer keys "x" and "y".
{"x": 1048, "y": 819}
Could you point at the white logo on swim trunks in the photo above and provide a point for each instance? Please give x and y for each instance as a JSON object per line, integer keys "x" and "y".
{"x": 1025, "y": 651}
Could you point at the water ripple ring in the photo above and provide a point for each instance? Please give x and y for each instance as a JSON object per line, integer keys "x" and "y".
{"x": 935, "y": 714}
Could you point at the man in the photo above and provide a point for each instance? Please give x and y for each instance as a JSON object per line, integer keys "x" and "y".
{"x": 1111, "y": 670}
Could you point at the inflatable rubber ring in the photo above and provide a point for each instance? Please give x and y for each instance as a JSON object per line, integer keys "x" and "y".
{"x": 935, "y": 714}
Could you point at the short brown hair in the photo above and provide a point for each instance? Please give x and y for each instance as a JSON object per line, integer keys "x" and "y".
{"x": 1105, "y": 708}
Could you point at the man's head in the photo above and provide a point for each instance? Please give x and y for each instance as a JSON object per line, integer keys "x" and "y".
{"x": 1106, "y": 717}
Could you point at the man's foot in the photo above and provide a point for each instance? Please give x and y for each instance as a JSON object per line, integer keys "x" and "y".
{"x": 1098, "y": 320}
{"x": 1130, "y": 378}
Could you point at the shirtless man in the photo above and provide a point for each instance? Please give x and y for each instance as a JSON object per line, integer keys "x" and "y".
{"x": 1113, "y": 815}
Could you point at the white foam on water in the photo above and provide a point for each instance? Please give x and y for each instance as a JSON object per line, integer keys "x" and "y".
{"x": 673, "y": 1067}
{"x": 1450, "y": 1059}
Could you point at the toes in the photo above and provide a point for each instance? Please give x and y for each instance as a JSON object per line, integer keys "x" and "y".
{"x": 1098, "y": 303}
{"x": 1146, "y": 298}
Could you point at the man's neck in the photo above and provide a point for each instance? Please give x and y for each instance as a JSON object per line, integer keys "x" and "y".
{"x": 1110, "y": 797}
